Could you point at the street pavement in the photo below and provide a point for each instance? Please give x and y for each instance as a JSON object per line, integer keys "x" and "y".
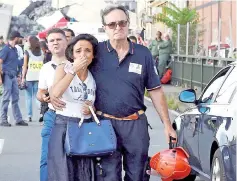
{"x": 20, "y": 146}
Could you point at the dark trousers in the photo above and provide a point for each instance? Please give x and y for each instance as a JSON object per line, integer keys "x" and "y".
{"x": 132, "y": 145}
{"x": 60, "y": 166}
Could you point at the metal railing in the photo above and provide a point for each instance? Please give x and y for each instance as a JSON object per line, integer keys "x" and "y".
{"x": 195, "y": 71}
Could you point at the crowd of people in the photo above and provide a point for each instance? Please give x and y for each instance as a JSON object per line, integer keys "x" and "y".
{"x": 68, "y": 75}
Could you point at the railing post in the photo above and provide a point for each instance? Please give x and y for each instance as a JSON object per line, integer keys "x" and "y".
{"x": 182, "y": 70}
{"x": 196, "y": 42}
{"x": 219, "y": 38}
{"x": 231, "y": 38}
{"x": 178, "y": 40}
{"x": 191, "y": 76}
{"x": 213, "y": 68}
{"x": 187, "y": 36}
{"x": 202, "y": 74}
{"x": 173, "y": 62}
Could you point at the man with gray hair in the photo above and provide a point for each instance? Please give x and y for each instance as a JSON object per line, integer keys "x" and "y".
{"x": 122, "y": 72}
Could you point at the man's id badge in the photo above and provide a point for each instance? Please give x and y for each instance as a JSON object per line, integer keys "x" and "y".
{"x": 135, "y": 68}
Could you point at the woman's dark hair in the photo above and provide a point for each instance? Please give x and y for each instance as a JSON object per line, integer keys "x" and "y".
{"x": 33, "y": 40}
{"x": 87, "y": 37}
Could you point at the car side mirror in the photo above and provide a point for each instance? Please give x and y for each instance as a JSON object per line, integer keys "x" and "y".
{"x": 188, "y": 96}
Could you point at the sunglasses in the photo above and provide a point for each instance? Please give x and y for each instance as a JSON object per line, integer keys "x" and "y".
{"x": 84, "y": 88}
{"x": 121, "y": 24}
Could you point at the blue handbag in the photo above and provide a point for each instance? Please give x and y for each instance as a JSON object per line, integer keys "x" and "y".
{"x": 95, "y": 138}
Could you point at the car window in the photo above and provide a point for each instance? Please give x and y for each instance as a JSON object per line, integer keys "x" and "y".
{"x": 213, "y": 86}
{"x": 227, "y": 89}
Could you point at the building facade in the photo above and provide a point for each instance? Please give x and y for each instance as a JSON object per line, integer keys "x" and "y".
{"x": 217, "y": 17}
{"x": 146, "y": 9}
{"x": 5, "y": 19}
{"x": 131, "y": 5}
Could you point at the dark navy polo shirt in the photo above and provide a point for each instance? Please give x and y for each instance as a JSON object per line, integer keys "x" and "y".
{"x": 121, "y": 86}
{"x": 10, "y": 59}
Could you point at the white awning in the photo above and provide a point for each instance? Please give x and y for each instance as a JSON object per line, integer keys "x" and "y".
{"x": 49, "y": 21}
{"x": 89, "y": 12}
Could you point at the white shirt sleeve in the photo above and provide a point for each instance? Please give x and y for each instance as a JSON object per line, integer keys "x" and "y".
{"x": 43, "y": 78}
{"x": 19, "y": 52}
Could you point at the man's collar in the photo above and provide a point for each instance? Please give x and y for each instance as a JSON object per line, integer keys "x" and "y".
{"x": 110, "y": 48}
{"x": 10, "y": 46}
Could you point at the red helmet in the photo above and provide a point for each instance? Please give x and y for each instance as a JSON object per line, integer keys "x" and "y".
{"x": 171, "y": 164}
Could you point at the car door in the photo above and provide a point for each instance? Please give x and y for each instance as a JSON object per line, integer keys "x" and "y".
{"x": 214, "y": 117}
{"x": 189, "y": 138}
{"x": 232, "y": 134}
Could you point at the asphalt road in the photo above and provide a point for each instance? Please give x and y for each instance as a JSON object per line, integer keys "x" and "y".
{"x": 20, "y": 152}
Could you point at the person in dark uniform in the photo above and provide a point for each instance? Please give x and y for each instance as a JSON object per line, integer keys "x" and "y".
{"x": 10, "y": 78}
{"x": 122, "y": 72}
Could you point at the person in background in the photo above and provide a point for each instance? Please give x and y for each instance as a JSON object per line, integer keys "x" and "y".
{"x": 57, "y": 44}
{"x": 133, "y": 39}
{"x": 69, "y": 34}
{"x": 47, "y": 53}
{"x": 2, "y": 44}
{"x": 140, "y": 40}
{"x": 26, "y": 43}
{"x": 20, "y": 56}
{"x": 47, "y": 57}
{"x": 33, "y": 61}
{"x": 153, "y": 47}
{"x": 75, "y": 85}
{"x": 165, "y": 49}
{"x": 9, "y": 78}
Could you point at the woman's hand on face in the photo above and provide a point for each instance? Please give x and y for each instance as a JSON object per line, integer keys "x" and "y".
{"x": 80, "y": 64}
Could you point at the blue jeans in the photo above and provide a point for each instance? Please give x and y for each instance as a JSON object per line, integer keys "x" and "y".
{"x": 31, "y": 91}
{"x": 10, "y": 90}
{"x": 49, "y": 119}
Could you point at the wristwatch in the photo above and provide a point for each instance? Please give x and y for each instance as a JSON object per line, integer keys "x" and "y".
{"x": 68, "y": 68}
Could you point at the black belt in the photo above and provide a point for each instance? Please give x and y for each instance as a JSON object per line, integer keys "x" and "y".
{"x": 60, "y": 119}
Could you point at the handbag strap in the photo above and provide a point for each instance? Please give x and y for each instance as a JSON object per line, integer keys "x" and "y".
{"x": 94, "y": 115}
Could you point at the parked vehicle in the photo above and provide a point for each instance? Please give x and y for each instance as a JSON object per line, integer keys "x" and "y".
{"x": 207, "y": 131}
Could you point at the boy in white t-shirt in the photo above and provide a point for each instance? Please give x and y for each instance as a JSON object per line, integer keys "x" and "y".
{"x": 57, "y": 44}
